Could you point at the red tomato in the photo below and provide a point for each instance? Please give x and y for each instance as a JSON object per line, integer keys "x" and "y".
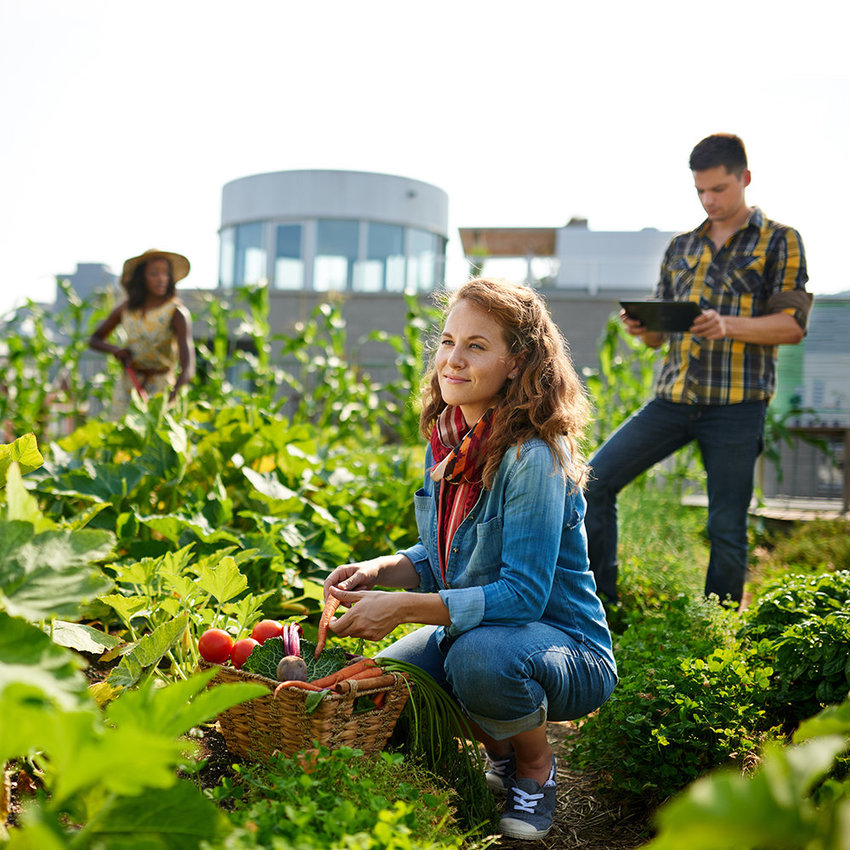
{"x": 241, "y": 650}
{"x": 215, "y": 646}
{"x": 266, "y": 629}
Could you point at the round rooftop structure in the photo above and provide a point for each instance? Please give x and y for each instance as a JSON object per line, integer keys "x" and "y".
{"x": 333, "y": 231}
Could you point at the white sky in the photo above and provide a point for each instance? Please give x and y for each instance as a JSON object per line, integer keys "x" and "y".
{"x": 120, "y": 122}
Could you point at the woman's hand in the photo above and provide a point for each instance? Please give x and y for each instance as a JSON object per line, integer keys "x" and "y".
{"x": 359, "y": 576}
{"x": 124, "y": 356}
{"x": 371, "y": 614}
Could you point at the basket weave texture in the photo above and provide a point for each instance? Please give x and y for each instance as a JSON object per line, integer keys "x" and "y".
{"x": 268, "y": 724}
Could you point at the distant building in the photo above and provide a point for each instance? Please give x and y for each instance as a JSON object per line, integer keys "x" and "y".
{"x": 87, "y": 281}
{"x": 573, "y": 257}
{"x": 326, "y": 231}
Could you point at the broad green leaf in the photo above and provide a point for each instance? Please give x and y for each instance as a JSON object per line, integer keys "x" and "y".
{"x": 223, "y": 580}
{"x": 83, "y": 638}
{"x": 52, "y": 573}
{"x": 177, "y": 818}
{"x": 172, "y": 527}
{"x": 833, "y": 720}
{"x": 20, "y": 505}
{"x": 23, "y": 451}
{"x": 125, "y": 606}
{"x": 268, "y": 486}
{"x": 81, "y": 753}
{"x": 147, "y": 652}
{"x": 34, "y": 667}
{"x": 175, "y": 709}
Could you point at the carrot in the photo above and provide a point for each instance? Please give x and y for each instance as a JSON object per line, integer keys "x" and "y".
{"x": 331, "y": 604}
{"x": 295, "y": 683}
{"x": 368, "y": 664}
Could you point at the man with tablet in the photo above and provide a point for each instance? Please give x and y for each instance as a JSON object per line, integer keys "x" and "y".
{"x": 743, "y": 279}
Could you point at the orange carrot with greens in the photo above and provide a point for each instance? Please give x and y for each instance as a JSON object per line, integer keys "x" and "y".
{"x": 331, "y": 604}
{"x": 367, "y": 664}
{"x": 297, "y": 683}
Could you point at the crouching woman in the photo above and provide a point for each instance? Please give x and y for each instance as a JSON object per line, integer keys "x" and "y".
{"x": 512, "y": 624}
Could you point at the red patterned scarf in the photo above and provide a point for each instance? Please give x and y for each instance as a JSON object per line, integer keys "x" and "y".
{"x": 459, "y": 455}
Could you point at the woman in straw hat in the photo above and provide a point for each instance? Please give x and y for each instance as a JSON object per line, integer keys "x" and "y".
{"x": 156, "y": 326}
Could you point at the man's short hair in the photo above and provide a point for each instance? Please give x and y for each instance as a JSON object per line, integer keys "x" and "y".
{"x": 720, "y": 149}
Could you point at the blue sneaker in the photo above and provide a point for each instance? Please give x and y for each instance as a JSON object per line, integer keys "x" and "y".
{"x": 530, "y": 808}
{"x": 500, "y": 772}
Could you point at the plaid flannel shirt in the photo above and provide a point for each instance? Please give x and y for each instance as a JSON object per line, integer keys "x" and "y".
{"x": 760, "y": 270}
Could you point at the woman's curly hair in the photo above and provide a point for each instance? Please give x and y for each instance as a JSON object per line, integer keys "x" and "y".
{"x": 545, "y": 400}
{"x": 137, "y": 290}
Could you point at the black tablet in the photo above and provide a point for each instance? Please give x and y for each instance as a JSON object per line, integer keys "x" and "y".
{"x": 663, "y": 315}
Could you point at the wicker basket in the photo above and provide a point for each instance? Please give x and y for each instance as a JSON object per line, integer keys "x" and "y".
{"x": 268, "y": 724}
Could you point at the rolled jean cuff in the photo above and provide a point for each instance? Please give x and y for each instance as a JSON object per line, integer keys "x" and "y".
{"x": 502, "y": 729}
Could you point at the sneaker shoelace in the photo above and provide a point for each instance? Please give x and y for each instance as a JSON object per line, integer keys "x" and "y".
{"x": 499, "y": 766}
{"x": 525, "y": 802}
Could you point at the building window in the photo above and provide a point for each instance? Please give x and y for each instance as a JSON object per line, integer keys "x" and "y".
{"x": 225, "y": 265}
{"x": 336, "y": 253}
{"x": 383, "y": 268}
{"x": 250, "y": 253}
{"x": 288, "y": 264}
{"x": 425, "y": 261}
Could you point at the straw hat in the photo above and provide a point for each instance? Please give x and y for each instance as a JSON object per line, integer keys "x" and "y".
{"x": 179, "y": 264}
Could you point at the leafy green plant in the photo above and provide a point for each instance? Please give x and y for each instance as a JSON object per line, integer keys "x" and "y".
{"x": 801, "y": 624}
{"x": 690, "y": 697}
{"x": 338, "y": 799}
{"x": 773, "y": 808}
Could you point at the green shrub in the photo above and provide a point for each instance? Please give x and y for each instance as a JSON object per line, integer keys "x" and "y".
{"x": 690, "y": 697}
{"x": 801, "y": 625}
{"x": 337, "y": 799}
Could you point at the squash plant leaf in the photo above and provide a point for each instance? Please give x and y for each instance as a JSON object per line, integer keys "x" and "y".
{"x": 23, "y": 451}
{"x": 83, "y": 638}
{"x": 20, "y": 504}
{"x": 176, "y": 818}
{"x": 33, "y": 667}
{"x": 147, "y": 652}
{"x": 52, "y": 573}
{"x": 176, "y": 708}
{"x": 222, "y": 580}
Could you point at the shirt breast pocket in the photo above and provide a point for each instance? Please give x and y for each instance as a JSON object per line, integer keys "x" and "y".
{"x": 745, "y": 275}
{"x": 485, "y": 560}
{"x": 682, "y": 273}
{"x": 423, "y": 506}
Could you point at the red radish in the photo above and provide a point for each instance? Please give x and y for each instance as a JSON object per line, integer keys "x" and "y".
{"x": 215, "y": 646}
{"x": 241, "y": 650}
{"x": 266, "y": 629}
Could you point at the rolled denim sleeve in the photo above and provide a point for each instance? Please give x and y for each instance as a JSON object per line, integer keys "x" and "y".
{"x": 466, "y": 608}
{"x": 418, "y": 556}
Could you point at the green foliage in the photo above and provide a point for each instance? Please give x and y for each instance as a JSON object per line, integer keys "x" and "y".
{"x": 773, "y": 808}
{"x": 264, "y": 659}
{"x": 801, "y": 624}
{"x": 338, "y": 799}
{"x": 689, "y": 698}
{"x": 815, "y": 546}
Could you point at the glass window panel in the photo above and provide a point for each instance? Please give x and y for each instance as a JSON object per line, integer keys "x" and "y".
{"x": 227, "y": 254}
{"x": 384, "y": 267}
{"x": 336, "y": 252}
{"x": 422, "y": 273}
{"x": 288, "y": 265}
{"x": 250, "y": 253}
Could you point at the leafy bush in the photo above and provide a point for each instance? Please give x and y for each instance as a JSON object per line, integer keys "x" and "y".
{"x": 801, "y": 625}
{"x": 689, "y": 698}
{"x": 339, "y": 799}
{"x": 791, "y": 801}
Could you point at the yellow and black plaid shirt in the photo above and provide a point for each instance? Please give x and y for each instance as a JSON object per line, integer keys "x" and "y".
{"x": 760, "y": 270}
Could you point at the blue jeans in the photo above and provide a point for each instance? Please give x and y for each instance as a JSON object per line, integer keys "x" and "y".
{"x": 730, "y": 438}
{"x": 510, "y": 679}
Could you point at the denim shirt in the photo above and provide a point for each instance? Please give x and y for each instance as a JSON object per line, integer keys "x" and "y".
{"x": 520, "y": 556}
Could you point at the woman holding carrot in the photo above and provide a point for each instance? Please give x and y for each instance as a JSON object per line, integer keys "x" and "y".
{"x": 512, "y": 623}
{"x": 156, "y": 329}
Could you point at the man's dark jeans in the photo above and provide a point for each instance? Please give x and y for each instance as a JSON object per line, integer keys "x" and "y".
{"x": 730, "y": 438}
